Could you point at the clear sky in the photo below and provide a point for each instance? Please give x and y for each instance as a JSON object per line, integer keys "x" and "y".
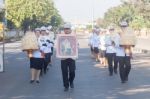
{"x": 84, "y": 10}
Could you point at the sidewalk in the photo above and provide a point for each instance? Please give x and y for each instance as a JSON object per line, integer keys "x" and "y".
{"x": 143, "y": 45}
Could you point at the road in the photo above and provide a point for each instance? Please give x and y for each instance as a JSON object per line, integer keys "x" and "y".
{"x": 92, "y": 80}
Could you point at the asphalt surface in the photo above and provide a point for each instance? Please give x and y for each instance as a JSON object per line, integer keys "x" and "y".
{"x": 92, "y": 80}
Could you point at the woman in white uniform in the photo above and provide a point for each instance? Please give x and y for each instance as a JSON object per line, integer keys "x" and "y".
{"x": 36, "y": 61}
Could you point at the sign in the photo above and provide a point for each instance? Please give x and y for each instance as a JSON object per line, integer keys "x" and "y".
{"x": 1, "y": 47}
{"x": 1, "y": 58}
{"x": 66, "y": 46}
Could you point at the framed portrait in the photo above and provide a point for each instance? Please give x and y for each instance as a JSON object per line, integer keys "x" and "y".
{"x": 67, "y": 46}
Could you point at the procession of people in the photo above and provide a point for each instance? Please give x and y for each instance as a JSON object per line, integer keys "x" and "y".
{"x": 109, "y": 47}
{"x": 40, "y": 48}
{"x": 113, "y": 49}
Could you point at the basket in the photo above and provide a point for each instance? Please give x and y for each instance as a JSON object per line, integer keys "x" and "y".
{"x": 128, "y": 37}
{"x": 29, "y": 42}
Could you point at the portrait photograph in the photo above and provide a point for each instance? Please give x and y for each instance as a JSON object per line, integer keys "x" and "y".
{"x": 66, "y": 46}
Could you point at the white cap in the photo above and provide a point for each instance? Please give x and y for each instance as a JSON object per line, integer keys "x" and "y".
{"x": 111, "y": 28}
{"x": 49, "y": 27}
{"x": 43, "y": 28}
{"x": 67, "y": 25}
{"x": 104, "y": 30}
{"x": 97, "y": 30}
{"x": 123, "y": 23}
{"x": 37, "y": 29}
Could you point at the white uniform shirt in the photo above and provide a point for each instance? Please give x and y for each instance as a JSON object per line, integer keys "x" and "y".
{"x": 119, "y": 50}
{"x": 91, "y": 38}
{"x": 95, "y": 40}
{"x": 47, "y": 45}
{"x": 102, "y": 42}
{"x": 37, "y": 53}
{"x": 109, "y": 47}
{"x": 51, "y": 36}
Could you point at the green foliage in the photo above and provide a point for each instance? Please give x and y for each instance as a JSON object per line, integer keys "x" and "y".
{"x": 138, "y": 22}
{"x": 56, "y": 20}
{"x": 116, "y": 14}
{"x": 30, "y": 13}
{"x": 135, "y": 12}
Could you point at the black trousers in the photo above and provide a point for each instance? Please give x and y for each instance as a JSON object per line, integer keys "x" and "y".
{"x": 47, "y": 60}
{"x": 68, "y": 71}
{"x": 112, "y": 62}
{"x": 124, "y": 67}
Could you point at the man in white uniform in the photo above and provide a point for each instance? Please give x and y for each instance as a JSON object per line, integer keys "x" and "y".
{"x": 123, "y": 58}
{"x": 111, "y": 52}
{"x": 68, "y": 65}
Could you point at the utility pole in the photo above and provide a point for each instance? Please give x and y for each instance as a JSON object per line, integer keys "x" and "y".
{"x": 93, "y": 8}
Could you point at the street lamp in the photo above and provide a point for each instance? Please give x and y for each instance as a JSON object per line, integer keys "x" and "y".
{"x": 93, "y": 5}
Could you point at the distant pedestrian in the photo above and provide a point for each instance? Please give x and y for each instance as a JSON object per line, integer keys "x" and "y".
{"x": 102, "y": 47}
{"x": 51, "y": 37}
{"x": 90, "y": 43}
{"x": 96, "y": 43}
{"x": 111, "y": 52}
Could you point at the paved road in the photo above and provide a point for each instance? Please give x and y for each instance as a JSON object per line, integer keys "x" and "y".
{"x": 92, "y": 81}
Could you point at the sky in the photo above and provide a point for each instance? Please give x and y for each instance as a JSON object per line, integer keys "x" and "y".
{"x": 84, "y": 10}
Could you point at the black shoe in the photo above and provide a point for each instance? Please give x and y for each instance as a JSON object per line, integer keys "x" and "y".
{"x": 31, "y": 81}
{"x": 50, "y": 65}
{"x": 126, "y": 79}
{"x": 41, "y": 73}
{"x": 45, "y": 71}
{"x": 38, "y": 81}
{"x": 115, "y": 71}
{"x": 71, "y": 85}
{"x": 123, "y": 82}
{"x": 110, "y": 74}
{"x": 66, "y": 89}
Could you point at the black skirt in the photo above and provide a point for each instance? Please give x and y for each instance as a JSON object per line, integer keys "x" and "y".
{"x": 96, "y": 50}
{"x": 36, "y": 63}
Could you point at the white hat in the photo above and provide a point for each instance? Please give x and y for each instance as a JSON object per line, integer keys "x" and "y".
{"x": 49, "y": 27}
{"x": 104, "y": 30}
{"x": 67, "y": 25}
{"x": 111, "y": 28}
{"x": 123, "y": 23}
{"x": 37, "y": 29}
{"x": 97, "y": 30}
{"x": 43, "y": 28}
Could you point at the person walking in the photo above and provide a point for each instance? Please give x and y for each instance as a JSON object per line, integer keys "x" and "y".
{"x": 68, "y": 65}
{"x": 96, "y": 43}
{"x": 47, "y": 48}
{"x": 36, "y": 61}
{"x": 110, "y": 52}
{"x": 51, "y": 37}
{"x": 123, "y": 56}
{"x": 102, "y": 47}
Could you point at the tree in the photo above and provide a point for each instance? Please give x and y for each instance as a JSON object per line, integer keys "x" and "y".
{"x": 30, "y": 13}
{"x": 116, "y": 14}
